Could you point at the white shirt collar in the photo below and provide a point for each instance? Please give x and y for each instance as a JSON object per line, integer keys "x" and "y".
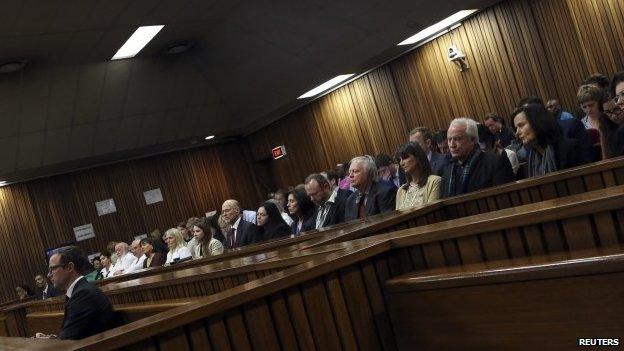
{"x": 70, "y": 289}
{"x": 429, "y": 153}
{"x": 235, "y": 225}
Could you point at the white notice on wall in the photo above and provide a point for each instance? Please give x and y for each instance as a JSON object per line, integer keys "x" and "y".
{"x": 153, "y": 196}
{"x": 84, "y": 232}
{"x": 105, "y": 207}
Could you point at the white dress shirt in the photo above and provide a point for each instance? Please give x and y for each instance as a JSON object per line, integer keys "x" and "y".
{"x": 136, "y": 265}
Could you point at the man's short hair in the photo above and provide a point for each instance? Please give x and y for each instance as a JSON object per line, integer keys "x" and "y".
{"x": 322, "y": 181}
{"x": 332, "y": 175}
{"x": 382, "y": 160}
{"x": 74, "y": 255}
{"x": 369, "y": 166}
{"x": 597, "y": 78}
{"x": 426, "y": 133}
{"x": 589, "y": 92}
{"x": 439, "y": 136}
{"x": 472, "y": 132}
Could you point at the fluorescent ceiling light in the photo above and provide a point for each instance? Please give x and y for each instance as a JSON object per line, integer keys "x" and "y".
{"x": 3, "y": 183}
{"x": 137, "y": 41}
{"x": 209, "y": 137}
{"x": 326, "y": 86}
{"x": 443, "y": 25}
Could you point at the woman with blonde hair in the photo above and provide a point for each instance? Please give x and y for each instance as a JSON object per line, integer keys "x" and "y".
{"x": 177, "y": 246}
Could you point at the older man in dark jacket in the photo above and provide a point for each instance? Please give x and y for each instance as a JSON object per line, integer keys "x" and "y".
{"x": 470, "y": 169}
{"x": 370, "y": 197}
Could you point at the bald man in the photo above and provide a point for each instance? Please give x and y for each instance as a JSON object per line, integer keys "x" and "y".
{"x": 242, "y": 232}
{"x": 124, "y": 258}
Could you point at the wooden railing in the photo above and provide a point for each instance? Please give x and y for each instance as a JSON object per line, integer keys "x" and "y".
{"x": 524, "y": 306}
{"x": 336, "y": 301}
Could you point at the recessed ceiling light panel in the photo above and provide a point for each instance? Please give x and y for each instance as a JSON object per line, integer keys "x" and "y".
{"x": 332, "y": 83}
{"x": 437, "y": 28}
{"x": 137, "y": 41}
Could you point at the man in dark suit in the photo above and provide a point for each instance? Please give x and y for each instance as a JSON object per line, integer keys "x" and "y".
{"x": 470, "y": 169}
{"x": 47, "y": 290}
{"x": 242, "y": 232}
{"x": 424, "y": 138}
{"x": 331, "y": 204}
{"x": 87, "y": 309}
{"x": 370, "y": 197}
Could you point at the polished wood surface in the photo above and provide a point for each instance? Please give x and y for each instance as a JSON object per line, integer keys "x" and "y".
{"x": 351, "y": 280}
{"x": 520, "y": 307}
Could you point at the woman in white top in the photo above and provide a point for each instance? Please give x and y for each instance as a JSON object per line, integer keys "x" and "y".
{"x": 422, "y": 187}
{"x": 107, "y": 264}
{"x": 204, "y": 230}
{"x": 177, "y": 246}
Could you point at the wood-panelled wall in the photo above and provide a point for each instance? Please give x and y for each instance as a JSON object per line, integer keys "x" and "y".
{"x": 515, "y": 49}
{"x": 42, "y": 213}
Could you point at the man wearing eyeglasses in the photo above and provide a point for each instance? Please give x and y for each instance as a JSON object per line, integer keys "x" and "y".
{"x": 87, "y": 309}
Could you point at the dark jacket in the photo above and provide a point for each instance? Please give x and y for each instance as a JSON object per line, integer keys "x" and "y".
{"x": 488, "y": 170}
{"x": 309, "y": 223}
{"x": 247, "y": 233}
{"x": 437, "y": 162}
{"x": 336, "y": 213}
{"x": 279, "y": 231}
{"x": 380, "y": 199}
{"x": 87, "y": 312}
{"x": 52, "y": 291}
{"x": 574, "y": 129}
{"x": 158, "y": 260}
{"x": 567, "y": 154}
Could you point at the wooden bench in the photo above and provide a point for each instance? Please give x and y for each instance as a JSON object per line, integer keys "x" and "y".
{"x": 596, "y": 176}
{"x": 337, "y": 301}
{"x": 523, "y": 306}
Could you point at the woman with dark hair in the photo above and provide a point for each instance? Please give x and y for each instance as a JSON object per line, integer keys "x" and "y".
{"x": 204, "y": 231}
{"x": 272, "y": 225}
{"x": 612, "y": 121}
{"x": 24, "y": 292}
{"x": 154, "y": 252}
{"x": 421, "y": 187}
{"x": 547, "y": 150}
{"x": 302, "y": 210}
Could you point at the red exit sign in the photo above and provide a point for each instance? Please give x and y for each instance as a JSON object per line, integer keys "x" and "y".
{"x": 278, "y": 152}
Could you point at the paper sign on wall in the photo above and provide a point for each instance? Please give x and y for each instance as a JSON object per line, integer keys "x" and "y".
{"x": 84, "y": 232}
{"x": 105, "y": 207}
{"x": 153, "y": 196}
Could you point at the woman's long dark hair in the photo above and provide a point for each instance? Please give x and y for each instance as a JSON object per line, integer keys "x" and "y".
{"x": 274, "y": 216}
{"x": 306, "y": 206}
{"x": 424, "y": 168}
{"x": 544, "y": 125}
{"x": 206, "y": 224}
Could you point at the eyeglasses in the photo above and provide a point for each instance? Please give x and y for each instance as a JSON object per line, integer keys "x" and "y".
{"x": 618, "y": 97}
{"x": 55, "y": 267}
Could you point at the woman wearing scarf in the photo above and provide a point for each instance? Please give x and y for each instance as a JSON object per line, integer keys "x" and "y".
{"x": 548, "y": 150}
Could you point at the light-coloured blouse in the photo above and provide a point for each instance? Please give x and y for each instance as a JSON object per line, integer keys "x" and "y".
{"x": 214, "y": 248}
{"x": 410, "y": 195}
{"x": 181, "y": 253}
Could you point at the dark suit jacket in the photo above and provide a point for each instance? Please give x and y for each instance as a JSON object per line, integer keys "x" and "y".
{"x": 87, "y": 312}
{"x": 567, "y": 154}
{"x": 279, "y": 231}
{"x": 308, "y": 224}
{"x": 381, "y": 199}
{"x": 574, "y": 129}
{"x": 336, "y": 213}
{"x": 437, "y": 162}
{"x": 52, "y": 291}
{"x": 246, "y": 233}
{"x": 488, "y": 170}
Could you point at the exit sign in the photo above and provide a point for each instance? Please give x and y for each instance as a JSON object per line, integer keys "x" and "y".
{"x": 278, "y": 152}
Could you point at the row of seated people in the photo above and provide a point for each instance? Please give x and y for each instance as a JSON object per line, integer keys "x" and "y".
{"x": 480, "y": 155}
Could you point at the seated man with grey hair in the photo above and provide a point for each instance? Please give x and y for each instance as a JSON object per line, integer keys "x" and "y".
{"x": 370, "y": 196}
{"x": 470, "y": 169}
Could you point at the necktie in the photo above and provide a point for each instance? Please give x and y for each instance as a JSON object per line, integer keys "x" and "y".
{"x": 362, "y": 207}
{"x": 231, "y": 237}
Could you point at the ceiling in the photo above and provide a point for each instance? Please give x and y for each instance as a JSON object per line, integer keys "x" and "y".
{"x": 72, "y": 108}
